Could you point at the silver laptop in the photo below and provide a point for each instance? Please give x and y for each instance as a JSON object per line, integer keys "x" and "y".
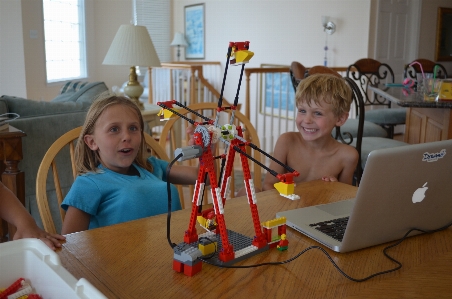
{"x": 401, "y": 188}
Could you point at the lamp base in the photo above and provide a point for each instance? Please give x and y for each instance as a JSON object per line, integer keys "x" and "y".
{"x": 133, "y": 89}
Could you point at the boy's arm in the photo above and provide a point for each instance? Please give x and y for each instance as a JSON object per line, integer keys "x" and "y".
{"x": 350, "y": 160}
{"x": 280, "y": 153}
{"x": 15, "y": 213}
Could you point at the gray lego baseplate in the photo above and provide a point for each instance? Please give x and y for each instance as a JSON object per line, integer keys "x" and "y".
{"x": 243, "y": 249}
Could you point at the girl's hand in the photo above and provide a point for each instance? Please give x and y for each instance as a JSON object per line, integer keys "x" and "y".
{"x": 190, "y": 131}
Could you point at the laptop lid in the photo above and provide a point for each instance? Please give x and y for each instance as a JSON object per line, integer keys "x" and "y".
{"x": 402, "y": 188}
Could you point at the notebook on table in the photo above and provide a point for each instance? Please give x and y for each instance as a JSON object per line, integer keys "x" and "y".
{"x": 401, "y": 188}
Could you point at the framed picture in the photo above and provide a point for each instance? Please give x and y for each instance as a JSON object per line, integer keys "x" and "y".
{"x": 194, "y": 31}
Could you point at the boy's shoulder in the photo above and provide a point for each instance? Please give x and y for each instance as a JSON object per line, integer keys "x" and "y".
{"x": 290, "y": 137}
{"x": 346, "y": 150}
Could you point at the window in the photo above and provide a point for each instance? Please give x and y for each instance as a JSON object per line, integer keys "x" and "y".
{"x": 64, "y": 31}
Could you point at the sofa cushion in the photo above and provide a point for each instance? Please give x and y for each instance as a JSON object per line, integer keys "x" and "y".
{"x": 87, "y": 94}
{"x": 63, "y": 97}
{"x": 72, "y": 86}
{"x": 3, "y": 106}
{"x": 32, "y": 108}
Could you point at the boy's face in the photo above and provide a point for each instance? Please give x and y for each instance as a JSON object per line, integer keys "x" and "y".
{"x": 316, "y": 121}
{"x": 117, "y": 137}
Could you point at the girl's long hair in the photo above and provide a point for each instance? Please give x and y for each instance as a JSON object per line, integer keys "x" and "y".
{"x": 87, "y": 160}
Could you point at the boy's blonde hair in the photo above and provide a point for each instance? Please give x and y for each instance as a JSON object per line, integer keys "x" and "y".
{"x": 87, "y": 160}
{"x": 327, "y": 88}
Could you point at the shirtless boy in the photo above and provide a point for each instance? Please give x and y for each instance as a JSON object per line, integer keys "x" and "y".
{"x": 323, "y": 102}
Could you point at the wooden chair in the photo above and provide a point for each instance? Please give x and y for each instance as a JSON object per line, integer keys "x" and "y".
{"x": 414, "y": 71}
{"x": 170, "y": 138}
{"x": 297, "y": 73}
{"x": 57, "y": 151}
{"x": 368, "y": 71}
{"x": 364, "y": 145}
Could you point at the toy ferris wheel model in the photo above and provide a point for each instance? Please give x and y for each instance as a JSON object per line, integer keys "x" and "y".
{"x": 231, "y": 246}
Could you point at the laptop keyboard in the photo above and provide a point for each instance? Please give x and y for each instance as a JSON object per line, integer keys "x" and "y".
{"x": 334, "y": 228}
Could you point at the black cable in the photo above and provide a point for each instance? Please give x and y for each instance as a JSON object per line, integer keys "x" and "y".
{"x": 255, "y": 147}
{"x": 192, "y": 111}
{"x": 177, "y": 113}
{"x": 220, "y": 99}
{"x": 236, "y": 100}
{"x": 237, "y": 149}
{"x": 168, "y": 189}
{"x": 399, "y": 264}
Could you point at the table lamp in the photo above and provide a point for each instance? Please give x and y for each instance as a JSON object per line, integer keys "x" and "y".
{"x": 133, "y": 46}
{"x": 179, "y": 41}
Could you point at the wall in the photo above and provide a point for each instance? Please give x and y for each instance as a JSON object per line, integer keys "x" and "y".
{"x": 103, "y": 18}
{"x": 427, "y": 36}
{"x": 282, "y": 31}
{"x": 12, "y": 66}
{"x": 279, "y": 31}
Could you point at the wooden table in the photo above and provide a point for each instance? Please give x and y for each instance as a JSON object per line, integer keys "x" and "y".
{"x": 425, "y": 121}
{"x": 14, "y": 179}
{"x": 134, "y": 260}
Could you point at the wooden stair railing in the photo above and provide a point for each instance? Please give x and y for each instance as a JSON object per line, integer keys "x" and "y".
{"x": 195, "y": 69}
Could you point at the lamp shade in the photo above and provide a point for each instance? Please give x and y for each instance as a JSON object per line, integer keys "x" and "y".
{"x": 132, "y": 45}
{"x": 179, "y": 40}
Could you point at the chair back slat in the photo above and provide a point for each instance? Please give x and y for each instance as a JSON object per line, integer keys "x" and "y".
{"x": 428, "y": 67}
{"x": 370, "y": 72}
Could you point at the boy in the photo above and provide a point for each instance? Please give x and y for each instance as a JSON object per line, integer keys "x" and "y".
{"x": 323, "y": 102}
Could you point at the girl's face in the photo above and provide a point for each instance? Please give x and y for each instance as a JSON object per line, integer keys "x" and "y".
{"x": 316, "y": 121}
{"x": 116, "y": 137}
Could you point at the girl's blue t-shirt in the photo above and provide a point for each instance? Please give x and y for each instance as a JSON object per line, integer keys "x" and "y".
{"x": 111, "y": 198}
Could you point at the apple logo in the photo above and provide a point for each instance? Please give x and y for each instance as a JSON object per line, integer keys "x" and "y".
{"x": 419, "y": 194}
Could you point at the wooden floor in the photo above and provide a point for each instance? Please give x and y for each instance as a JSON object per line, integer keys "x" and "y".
{"x": 399, "y": 137}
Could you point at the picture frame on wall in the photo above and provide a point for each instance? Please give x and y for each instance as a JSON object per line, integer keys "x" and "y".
{"x": 195, "y": 31}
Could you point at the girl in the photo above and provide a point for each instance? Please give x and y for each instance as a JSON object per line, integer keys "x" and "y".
{"x": 115, "y": 182}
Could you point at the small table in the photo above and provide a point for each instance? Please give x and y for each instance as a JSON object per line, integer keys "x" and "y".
{"x": 423, "y": 124}
{"x": 14, "y": 179}
{"x": 150, "y": 115}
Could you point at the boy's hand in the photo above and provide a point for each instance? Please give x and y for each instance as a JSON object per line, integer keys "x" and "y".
{"x": 33, "y": 231}
{"x": 329, "y": 179}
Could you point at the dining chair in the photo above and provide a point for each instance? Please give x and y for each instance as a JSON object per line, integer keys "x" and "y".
{"x": 370, "y": 72}
{"x": 413, "y": 70}
{"x": 364, "y": 145}
{"x": 297, "y": 72}
{"x": 171, "y": 139}
{"x": 64, "y": 148}
{"x": 370, "y": 129}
